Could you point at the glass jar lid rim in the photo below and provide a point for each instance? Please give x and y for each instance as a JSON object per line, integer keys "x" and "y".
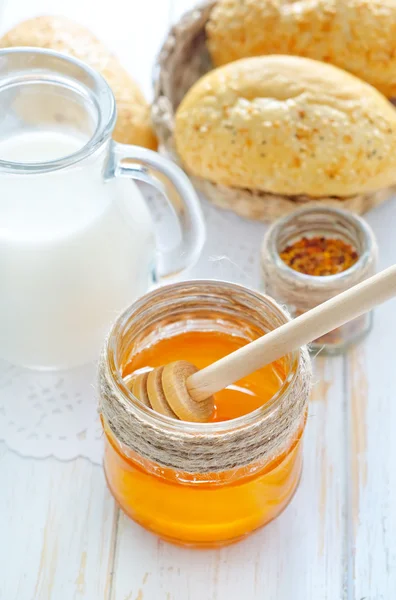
{"x": 271, "y": 237}
{"x": 190, "y": 427}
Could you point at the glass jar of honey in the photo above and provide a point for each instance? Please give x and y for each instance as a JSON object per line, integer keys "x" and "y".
{"x": 328, "y": 251}
{"x": 202, "y": 484}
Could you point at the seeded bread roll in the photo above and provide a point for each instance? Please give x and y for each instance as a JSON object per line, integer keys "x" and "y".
{"x": 287, "y": 125}
{"x": 356, "y": 35}
{"x": 58, "y": 33}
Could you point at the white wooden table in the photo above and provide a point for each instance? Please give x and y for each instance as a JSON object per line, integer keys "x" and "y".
{"x": 63, "y": 538}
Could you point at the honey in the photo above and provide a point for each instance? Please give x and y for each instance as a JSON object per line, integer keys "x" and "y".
{"x": 202, "y": 484}
{"x": 203, "y": 348}
{"x": 216, "y": 511}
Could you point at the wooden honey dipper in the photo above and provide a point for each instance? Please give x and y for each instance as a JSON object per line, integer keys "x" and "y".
{"x": 181, "y": 391}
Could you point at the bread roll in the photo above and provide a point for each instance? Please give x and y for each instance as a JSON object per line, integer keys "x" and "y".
{"x": 58, "y": 33}
{"x": 356, "y": 35}
{"x": 287, "y": 125}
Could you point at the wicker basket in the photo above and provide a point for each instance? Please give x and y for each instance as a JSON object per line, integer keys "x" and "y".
{"x": 183, "y": 59}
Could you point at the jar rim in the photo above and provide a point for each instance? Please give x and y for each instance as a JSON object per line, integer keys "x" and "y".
{"x": 271, "y": 238}
{"x": 157, "y": 419}
{"x": 94, "y": 89}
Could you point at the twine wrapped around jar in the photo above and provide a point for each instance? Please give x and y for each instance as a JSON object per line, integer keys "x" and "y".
{"x": 183, "y": 60}
{"x": 303, "y": 295}
{"x": 301, "y": 292}
{"x": 198, "y": 448}
{"x": 190, "y": 450}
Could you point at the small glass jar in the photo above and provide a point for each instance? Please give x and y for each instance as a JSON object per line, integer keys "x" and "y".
{"x": 201, "y": 484}
{"x": 300, "y": 292}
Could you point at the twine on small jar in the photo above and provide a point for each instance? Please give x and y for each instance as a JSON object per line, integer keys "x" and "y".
{"x": 301, "y": 293}
{"x": 200, "y": 449}
{"x": 301, "y": 296}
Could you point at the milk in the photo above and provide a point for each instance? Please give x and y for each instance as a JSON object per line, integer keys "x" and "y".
{"x": 74, "y": 252}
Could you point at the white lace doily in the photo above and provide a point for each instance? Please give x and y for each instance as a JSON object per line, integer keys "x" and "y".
{"x": 54, "y": 414}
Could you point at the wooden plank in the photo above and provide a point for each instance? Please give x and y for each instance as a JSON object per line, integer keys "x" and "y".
{"x": 57, "y": 523}
{"x": 300, "y": 555}
{"x": 372, "y": 444}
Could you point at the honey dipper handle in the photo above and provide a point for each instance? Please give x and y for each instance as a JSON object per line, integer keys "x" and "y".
{"x": 304, "y": 329}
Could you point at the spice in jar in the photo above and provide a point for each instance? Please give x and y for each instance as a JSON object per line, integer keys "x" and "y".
{"x": 314, "y": 254}
{"x": 319, "y": 256}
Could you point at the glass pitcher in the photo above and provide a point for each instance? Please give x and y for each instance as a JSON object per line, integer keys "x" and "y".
{"x": 76, "y": 238}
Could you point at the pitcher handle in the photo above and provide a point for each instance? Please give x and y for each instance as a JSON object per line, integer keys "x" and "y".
{"x": 146, "y": 165}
